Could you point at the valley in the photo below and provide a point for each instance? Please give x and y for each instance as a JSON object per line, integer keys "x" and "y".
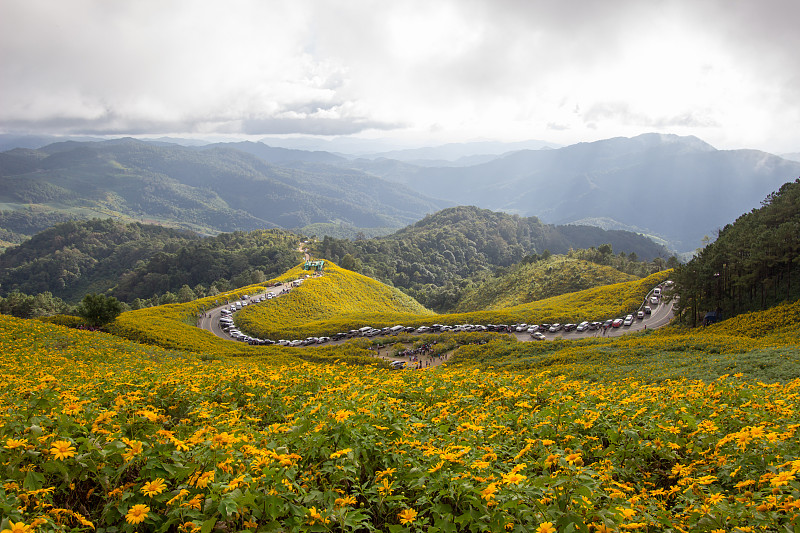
{"x": 652, "y": 184}
{"x": 683, "y": 419}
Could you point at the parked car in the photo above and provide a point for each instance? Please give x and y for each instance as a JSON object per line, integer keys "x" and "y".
{"x": 555, "y": 327}
{"x": 647, "y": 310}
{"x": 538, "y": 335}
{"x": 569, "y": 327}
{"x": 583, "y": 326}
{"x": 640, "y": 314}
{"x": 610, "y": 322}
{"x": 617, "y": 322}
{"x": 628, "y": 320}
{"x": 653, "y": 300}
{"x": 397, "y": 365}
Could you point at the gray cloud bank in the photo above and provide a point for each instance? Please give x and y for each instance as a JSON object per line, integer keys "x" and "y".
{"x": 483, "y": 67}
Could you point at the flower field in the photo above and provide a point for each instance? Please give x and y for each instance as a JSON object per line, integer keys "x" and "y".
{"x": 340, "y": 300}
{"x": 670, "y": 430}
{"x": 105, "y": 434}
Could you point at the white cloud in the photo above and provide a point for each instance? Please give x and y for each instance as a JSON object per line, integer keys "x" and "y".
{"x": 447, "y": 70}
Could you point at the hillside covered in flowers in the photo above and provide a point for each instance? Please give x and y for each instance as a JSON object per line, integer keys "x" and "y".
{"x": 172, "y": 429}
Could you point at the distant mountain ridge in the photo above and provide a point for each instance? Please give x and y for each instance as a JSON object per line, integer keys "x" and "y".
{"x": 674, "y": 189}
{"x": 678, "y": 188}
{"x": 209, "y": 189}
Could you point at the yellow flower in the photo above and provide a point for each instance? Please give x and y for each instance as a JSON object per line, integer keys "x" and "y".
{"x": 489, "y": 492}
{"x": 347, "y": 500}
{"x": 385, "y": 488}
{"x": 18, "y": 527}
{"x": 574, "y": 458}
{"x": 512, "y": 478}
{"x": 16, "y": 443}
{"x": 178, "y": 497}
{"x": 551, "y": 460}
{"x": 137, "y": 514}
{"x": 337, "y": 454}
{"x": 781, "y": 479}
{"x": 627, "y": 513}
{"x": 407, "y": 516}
{"x": 546, "y": 527}
{"x": 62, "y": 449}
{"x": 135, "y": 449}
{"x": 153, "y": 488}
{"x": 342, "y": 415}
{"x": 380, "y": 474}
{"x": 314, "y": 516}
{"x": 150, "y": 415}
{"x": 203, "y": 481}
{"x": 195, "y": 503}
{"x": 435, "y": 468}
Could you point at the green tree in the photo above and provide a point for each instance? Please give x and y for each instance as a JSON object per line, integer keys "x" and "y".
{"x": 349, "y": 263}
{"x": 186, "y": 294}
{"x": 98, "y": 309}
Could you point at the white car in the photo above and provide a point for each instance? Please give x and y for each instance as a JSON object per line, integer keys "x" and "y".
{"x": 538, "y": 335}
{"x": 628, "y": 320}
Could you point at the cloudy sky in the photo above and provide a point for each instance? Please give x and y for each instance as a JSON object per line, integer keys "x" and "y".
{"x": 418, "y": 71}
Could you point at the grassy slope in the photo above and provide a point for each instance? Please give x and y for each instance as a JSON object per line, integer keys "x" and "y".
{"x": 339, "y": 300}
{"x": 536, "y": 281}
{"x": 573, "y": 418}
{"x": 763, "y": 346}
{"x": 591, "y": 304}
{"x": 342, "y": 300}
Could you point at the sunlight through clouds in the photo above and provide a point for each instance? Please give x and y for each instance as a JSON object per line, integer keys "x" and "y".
{"x": 446, "y": 71}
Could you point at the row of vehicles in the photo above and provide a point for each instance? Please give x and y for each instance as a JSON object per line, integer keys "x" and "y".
{"x": 537, "y": 331}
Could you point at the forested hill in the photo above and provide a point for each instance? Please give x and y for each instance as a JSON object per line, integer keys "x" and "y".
{"x": 136, "y": 260}
{"x": 437, "y": 257}
{"x": 211, "y": 190}
{"x": 661, "y": 185}
{"x": 753, "y": 264}
{"x": 431, "y": 260}
{"x": 533, "y": 280}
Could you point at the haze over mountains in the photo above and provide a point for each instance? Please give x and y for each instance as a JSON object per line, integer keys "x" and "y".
{"x": 675, "y": 189}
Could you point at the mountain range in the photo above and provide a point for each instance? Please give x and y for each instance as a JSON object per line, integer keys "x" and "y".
{"x": 209, "y": 189}
{"x": 676, "y": 190}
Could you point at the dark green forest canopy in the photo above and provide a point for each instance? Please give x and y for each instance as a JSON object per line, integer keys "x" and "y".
{"x": 753, "y": 264}
{"x": 138, "y": 260}
{"x": 437, "y": 257}
{"x": 432, "y": 260}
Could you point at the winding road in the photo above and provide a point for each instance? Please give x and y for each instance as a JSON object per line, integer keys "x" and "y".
{"x": 660, "y": 316}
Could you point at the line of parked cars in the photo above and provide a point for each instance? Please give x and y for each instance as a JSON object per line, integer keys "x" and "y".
{"x": 537, "y": 331}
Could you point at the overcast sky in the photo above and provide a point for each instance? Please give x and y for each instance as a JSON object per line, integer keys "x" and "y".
{"x": 428, "y": 71}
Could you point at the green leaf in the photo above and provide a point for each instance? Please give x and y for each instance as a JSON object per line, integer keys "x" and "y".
{"x": 208, "y": 525}
{"x": 33, "y": 481}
